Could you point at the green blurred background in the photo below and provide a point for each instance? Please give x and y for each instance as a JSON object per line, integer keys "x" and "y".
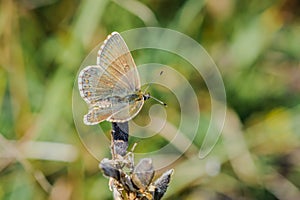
{"x": 255, "y": 44}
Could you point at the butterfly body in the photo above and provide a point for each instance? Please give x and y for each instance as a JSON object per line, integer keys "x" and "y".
{"x": 114, "y": 100}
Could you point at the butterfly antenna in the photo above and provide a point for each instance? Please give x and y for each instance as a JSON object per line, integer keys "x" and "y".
{"x": 152, "y": 82}
{"x": 149, "y": 96}
{"x": 159, "y": 101}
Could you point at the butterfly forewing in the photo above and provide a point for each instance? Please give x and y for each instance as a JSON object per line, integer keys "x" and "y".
{"x": 114, "y": 56}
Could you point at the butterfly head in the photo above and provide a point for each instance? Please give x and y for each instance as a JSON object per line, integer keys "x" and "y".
{"x": 146, "y": 96}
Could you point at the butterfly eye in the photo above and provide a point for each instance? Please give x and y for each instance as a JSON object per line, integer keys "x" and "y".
{"x": 146, "y": 96}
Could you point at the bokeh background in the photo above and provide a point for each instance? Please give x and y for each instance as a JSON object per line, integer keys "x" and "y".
{"x": 255, "y": 44}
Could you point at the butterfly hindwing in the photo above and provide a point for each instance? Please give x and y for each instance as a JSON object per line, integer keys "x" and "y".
{"x": 127, "y": 112}
{"x": 96, "y": 115}
{"x": 95, "y": 84}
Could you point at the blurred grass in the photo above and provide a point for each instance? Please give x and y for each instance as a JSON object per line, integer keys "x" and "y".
{"x": 255, "y": 45}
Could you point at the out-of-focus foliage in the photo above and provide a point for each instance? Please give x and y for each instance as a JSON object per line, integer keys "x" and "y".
{"x": 255, "y": 44}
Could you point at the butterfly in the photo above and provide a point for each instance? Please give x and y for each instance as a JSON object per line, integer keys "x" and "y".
{"x": 112, "y": 87}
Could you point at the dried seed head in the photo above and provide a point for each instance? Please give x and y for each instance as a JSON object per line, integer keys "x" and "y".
{"x": 143, "y": 173}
